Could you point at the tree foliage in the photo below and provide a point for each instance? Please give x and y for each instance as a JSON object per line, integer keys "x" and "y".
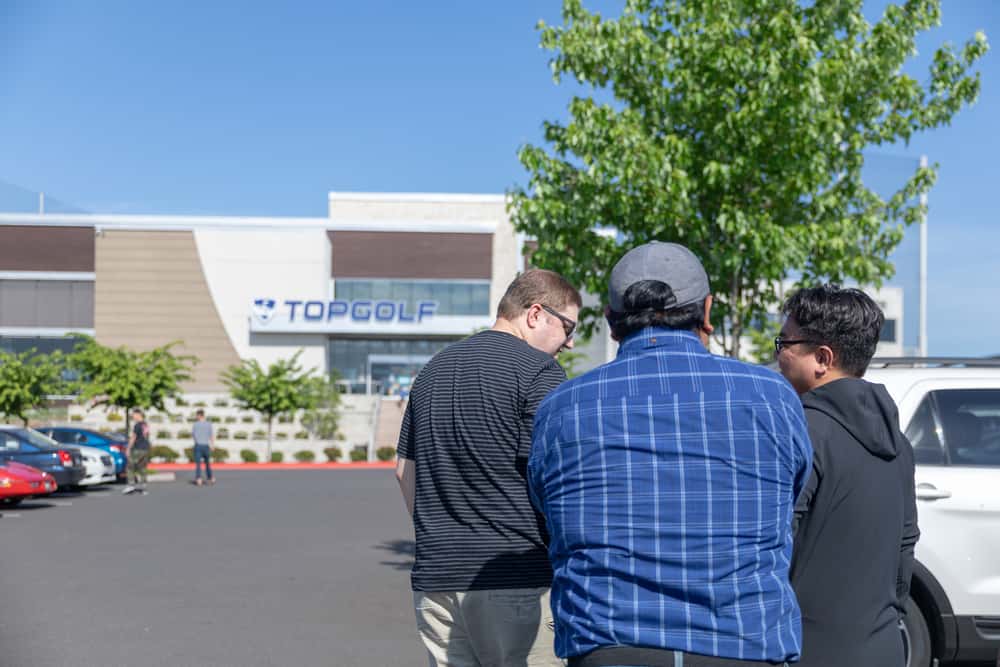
{"x": 119, "y": 377}
{"x": 738, "y": 128}
{"x": 27, "y": 380}
{"x": 282, "y": 388}
{"x": 323, "y": 418}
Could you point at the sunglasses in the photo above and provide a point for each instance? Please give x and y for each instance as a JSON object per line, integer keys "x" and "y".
{"x": 568, "y": 325}
{"x": 781, "y": 343}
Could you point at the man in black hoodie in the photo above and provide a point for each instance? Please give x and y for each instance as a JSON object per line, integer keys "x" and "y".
{"x": 856, "y": 519}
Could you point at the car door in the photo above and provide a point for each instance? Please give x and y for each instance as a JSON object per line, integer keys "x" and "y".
{"x": 954, "y": 426}
{"x": 13, "y": 448}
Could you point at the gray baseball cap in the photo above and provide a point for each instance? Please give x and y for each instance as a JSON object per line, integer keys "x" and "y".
{"x": 669, "y": 263}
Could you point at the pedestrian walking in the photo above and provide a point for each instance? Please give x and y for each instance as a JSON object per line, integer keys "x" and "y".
{"x": 856, "y": 520}
{"x": 137, "y": 453}
{"x": 481, "y": 574}
{"x": 667, "y": 478}
{"x": 204, "y": 439}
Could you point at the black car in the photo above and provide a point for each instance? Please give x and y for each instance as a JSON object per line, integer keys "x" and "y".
{"x": 34, "y": 449}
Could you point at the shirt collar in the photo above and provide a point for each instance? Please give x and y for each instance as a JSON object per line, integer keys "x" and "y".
{"x": 661, "y": 337}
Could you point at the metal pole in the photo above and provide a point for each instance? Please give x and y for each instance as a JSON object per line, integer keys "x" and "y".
{"x": 923, "y": 269}
{"x": 41, "y": 203}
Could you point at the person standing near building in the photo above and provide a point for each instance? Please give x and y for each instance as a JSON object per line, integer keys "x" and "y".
{"x": 204, "y": 440}
{"x": 137, "y": 454}
{"x": 856, "y": 520}
{"x": 481, "y": 574}
{"x": 667, "y": 478}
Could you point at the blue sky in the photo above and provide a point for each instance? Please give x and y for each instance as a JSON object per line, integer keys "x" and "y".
{"x": 262, "y": 108}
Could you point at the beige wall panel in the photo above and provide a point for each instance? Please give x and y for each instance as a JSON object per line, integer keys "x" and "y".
{"x": 150, "y": 290}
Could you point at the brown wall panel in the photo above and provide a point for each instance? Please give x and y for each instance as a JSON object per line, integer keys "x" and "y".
{"x": 442, "y": 256}
{"x": 150, "y": 291}
{"x": 36, "y": 248}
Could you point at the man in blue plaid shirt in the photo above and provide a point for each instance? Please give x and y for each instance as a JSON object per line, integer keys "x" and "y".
{"x": 667, "y": 478}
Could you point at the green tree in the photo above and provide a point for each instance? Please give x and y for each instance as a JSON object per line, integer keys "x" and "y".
{"x": 738, "y": 128}
{"x": 281, "y": 388}
{"x": 27, "y": 380}
{"x": 323, "y": 418}
{"x": 119, "y": 377}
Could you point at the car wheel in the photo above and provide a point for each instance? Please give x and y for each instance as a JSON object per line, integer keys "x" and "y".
{"x": 11, "y": 502}
{"x": 916, "y": 637}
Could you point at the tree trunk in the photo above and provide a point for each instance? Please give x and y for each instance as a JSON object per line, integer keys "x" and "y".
{"x": 270, "y": 425}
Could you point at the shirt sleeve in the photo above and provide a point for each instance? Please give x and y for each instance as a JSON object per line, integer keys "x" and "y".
{"x": 911, "y": 532}
{"x": 406, "y": 449}
{"x": 548, "y": 378}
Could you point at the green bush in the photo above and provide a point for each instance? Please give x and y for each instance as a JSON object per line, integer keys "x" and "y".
{"x": 180, "y": 402}
{"x": 240, "y": 435}
{"x": 220, "y": 454}
{"x": 385, "y": 453}
{"x": 164, "y": 435}
{"x": 213, "y": 419}
{"x": 76, "y": 418}
{"x": 189, "y": 454}
{"x": 183, "y": 434}
{"x": 359, "y": 455}
{"x": 305, "y": 456}
{"x": 248, "y": 455}
{"x": 285, "y": 419}
{"x": 260, "y": 434}
{"x": 333, "y": 454}
{"x": 166, "y": 453}
{"x": 201, "y": 404}
{"x": 105, "y": 429}
{"x": 115, "y": 417}
{"x": 302, "y": 435}
{"x": 247, "y": 419}
{"x": 155, "y": 419}
{"x": 220, "y": 403}
{"x": 223, "y": 434}
{"x": 230, "y": 420}
{"x": 281, "y": 435}
{"x": 277, "y": 457}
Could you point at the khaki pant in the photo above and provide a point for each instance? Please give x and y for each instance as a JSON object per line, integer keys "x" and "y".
{"x": 494, "y": 628}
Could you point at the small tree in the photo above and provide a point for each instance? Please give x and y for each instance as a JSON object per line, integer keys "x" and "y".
{"x": 123, "y": 378}
{"x": 323, "y": 418}
{"x": 27, "y": 380}
{"x": 280, "y": 389}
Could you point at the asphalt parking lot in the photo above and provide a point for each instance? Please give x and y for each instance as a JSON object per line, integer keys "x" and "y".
{"x": 276, "y": 568}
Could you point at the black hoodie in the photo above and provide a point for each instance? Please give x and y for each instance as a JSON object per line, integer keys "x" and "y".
{"x": 856, "y": 527}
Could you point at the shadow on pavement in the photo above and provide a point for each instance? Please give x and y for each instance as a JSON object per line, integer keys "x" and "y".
{"x": 405, "y": 548}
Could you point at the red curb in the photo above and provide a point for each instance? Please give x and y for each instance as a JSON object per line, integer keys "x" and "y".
{"x": 177, "y": 467}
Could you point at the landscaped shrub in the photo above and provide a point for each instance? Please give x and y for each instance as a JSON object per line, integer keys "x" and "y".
{"x": 220, "y": 403}
{"x": 240, "y": 435}
{"x": 223, "y": 434}
{"x": 260, "y": 434}
{"x": 155, "y": 419}
{"x": 213, "y": 419}
{"x": 230, "y": 420}
{"x": 305, "y": 456}
{"x": 247, "y": 419}
{"x": 177, "y": 419}
{"x": 359, "y": 455}
{"x": 220, "y": 454}
{"x": 333, "y": 454}
{"x": 164, "y": 435}
{"x": 180, "y": 402}
{"x": 183, "y": 434}
{"x": 189, "y": 454}
{"x": 248, "y": 456}
{"x": 285, "y": 419}
{"x": 115, "y": 417}
{"x": 281, "y": 436}
{"x": 201, "y": 404}
{"x": 385, "y": 453}
{"x": 302, "y": 435}
{"x": 76, "y": 418}
{"x": 277, "y": 457}
{"x": 163, "y": 452}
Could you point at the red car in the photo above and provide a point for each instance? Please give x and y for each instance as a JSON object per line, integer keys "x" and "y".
{"x": 18, "y": 481}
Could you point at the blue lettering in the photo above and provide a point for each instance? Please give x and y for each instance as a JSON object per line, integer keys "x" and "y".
{"x": 385, "y": 311}
{"x": 361, "y": 311}
{"x": 403, "y": 317}
{"x": 291, "y": 313}
{"x": 338, "y": 308}
{"x": 426, "y": 309}
{"x": 313, "y": 310}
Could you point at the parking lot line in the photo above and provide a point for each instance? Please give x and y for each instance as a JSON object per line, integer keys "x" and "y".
{"x": 60, "y": 503}
{"x": 9, "y": 515}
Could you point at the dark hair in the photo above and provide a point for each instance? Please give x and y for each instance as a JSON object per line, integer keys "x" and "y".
{"x": 537, "y": 286}
{"x": 199, "y": 412}
{"x": 846, "y": 320}
{"x": 138, "y": 411}
{"x": 645, "y": 306}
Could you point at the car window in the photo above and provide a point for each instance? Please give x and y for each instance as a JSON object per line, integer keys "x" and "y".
{"x": 94, "y": 439}
{"x": 67, "y": 437}
{"x": 922, "y": 433}
{"x": 9, "y": 443}
{"x": 970, "y": 424}
{"x": 30, "y": 435}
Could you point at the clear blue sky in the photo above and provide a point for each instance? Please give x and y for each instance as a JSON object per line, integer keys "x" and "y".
{"x": 263, "y": 108}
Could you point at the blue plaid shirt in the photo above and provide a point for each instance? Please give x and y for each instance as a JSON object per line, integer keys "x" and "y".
{"x": 667, "y": 478}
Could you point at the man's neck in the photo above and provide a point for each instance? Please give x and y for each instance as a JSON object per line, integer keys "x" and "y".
{"x": 506, "y": 326}
{"x": 830, "y": 376}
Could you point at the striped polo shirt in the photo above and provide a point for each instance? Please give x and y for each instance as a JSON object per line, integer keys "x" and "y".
{"x": 668, "y": 478}
{"x": 467, "y": 428}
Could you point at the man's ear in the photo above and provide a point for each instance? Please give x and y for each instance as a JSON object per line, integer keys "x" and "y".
{"x": 825, "y": 357}
{"x": 706, "y": 326}
{"x": 531, "y": 315}
{"x": 607, "y": 316}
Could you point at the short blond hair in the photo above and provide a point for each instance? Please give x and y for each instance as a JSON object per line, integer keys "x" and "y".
{"x": 537, "y": 286}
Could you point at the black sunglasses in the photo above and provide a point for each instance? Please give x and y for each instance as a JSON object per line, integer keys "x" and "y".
{"x": 780, "y": 343}
{"x": 569, "y": 326}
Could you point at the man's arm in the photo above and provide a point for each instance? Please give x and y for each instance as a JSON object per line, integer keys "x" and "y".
{"x": 405, "y": 475}
{"x": 911, "y": 532}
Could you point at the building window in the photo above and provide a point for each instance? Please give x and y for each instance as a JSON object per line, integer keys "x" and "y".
{"x": 888, "y": 334}
{"x": 47, "y": 303}
{"x": 454, "y": 297}
{"x": 349, "y": 359}
{"x": 40, "y": 344}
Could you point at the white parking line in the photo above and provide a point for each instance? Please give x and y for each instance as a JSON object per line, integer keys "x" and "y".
{"x": 60, "y": 503}
{"x": 9, "y": 515}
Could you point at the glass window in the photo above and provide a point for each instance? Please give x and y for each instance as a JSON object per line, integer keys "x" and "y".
{"x": 923, "y": 435}
{"x": 970, "y": 423}
{"x": 42, "y": 345}
{"x": 888, "y": 333}
{"x": 349, "y": 357}
{"x": 454, "y": 297}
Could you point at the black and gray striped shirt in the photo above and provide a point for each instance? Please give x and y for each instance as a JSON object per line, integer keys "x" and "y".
{"x": 468, "y": 430}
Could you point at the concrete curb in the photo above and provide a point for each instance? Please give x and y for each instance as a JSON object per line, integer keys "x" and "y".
{"x": 178, "y": 467}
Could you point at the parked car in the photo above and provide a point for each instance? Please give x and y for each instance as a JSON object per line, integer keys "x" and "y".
{"x": 950, "y": 411}
{"x": 116, "y": 444}
{"x": 18, "y": 481}
{"x": 100, "y": 469}
{"x": 27, "y": 446}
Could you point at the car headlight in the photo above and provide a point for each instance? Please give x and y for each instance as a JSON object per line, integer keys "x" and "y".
{"x": 6, "y": 483}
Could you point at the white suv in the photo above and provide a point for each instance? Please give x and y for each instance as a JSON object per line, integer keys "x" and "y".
{"x": 950, "y": 411}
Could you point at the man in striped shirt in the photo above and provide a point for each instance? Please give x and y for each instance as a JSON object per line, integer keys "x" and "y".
{"x": 481, "y": 575}
{"x": 667, "y": 478}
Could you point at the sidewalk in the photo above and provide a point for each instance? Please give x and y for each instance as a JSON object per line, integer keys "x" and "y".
{"x": 179, "y": 467}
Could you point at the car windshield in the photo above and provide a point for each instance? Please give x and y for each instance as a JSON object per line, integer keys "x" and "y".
{"x": 34, "y": 437}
